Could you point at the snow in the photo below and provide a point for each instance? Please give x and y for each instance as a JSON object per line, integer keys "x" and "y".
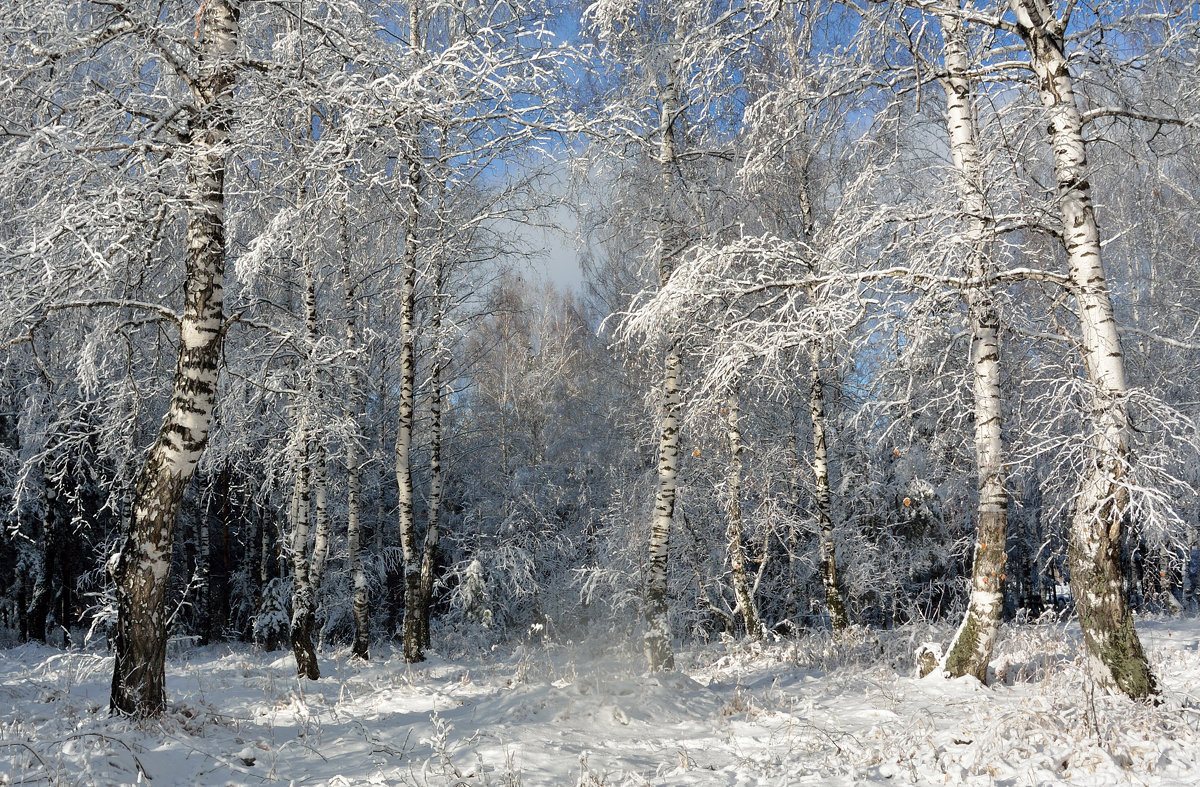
{"x": 800, "y": 711}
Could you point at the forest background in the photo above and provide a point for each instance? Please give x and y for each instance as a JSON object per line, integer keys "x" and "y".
{"x": 886, "y": 315}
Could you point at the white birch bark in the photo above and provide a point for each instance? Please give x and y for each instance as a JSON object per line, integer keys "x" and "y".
{"x": 737, "y": 554}
{"x": 404, "y": 431}
{"x": 436, "y": 476}
{"x": 321, "y": 504}
{"x": 304, "y": 573}
{"x": 838, "y": 619}
{"x": 302, "y": 590}
{"x": 140, "y": 570}
{"x": 971, "y": 648}
{"x": 353, "y": 414}
{"x": 436, "y": 485}
{"x": 1114, "y": 651}
{"x": 441, "y": 299}
{"x": 835, "y": 605}
{"x": 1189, "y": 565}
{"x": 203, "y": 562}
{"x": 658, "y": 629}
{"x": 411, "y": 637}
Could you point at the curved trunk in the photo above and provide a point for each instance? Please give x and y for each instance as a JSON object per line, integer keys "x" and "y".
{"x": 141, "y": 568}
{"x": 1114, "y": 651}
{"x": 971, "y": 649}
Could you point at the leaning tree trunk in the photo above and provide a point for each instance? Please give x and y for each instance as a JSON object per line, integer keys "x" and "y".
{"x": 140, "y": 570}
{"x": 737, "y": 555}
{"x": 658, "y": 628}
{"x": 1114, "y": 651}
{"x": 971, "y": 649}
{"x": 838, "y": 620}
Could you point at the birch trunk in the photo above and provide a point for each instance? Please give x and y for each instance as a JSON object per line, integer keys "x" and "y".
{"x": 1114, "y": 651}
{"x": 218, "y": 603}
{"x": 658, "y": 628}
{"x": 305, "y": 575}
{"x": 203, "y": 562}
{"x": 433, "y": 526}
{"x": 404, "y": 432}
{"x": 141, "y": 568}
{"x": 971, "y": 648}
{"x": 737, "y": 555}
{"x": 412, "y": 641}
{"x": 320, "y": 500}
{"x": 1189, "y": 566}
{"x": 834, "y": 603}
{"x": 838, "y": 620}
{"x": 42, "y": 594}
{"x": 353, "y": 415}
{"x": 436, "y": 485}
{"x": 302, "y": 591}
{"x": 437, "y": 482}
{"x": 792, "y": 539}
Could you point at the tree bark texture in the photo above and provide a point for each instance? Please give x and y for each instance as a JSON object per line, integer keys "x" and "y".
{"x": 658, "y": 627}
{"x": 411, "y": 636}
{"x": 354, "y": 486}
{"x": 303, "y": 597}
{"x": 1114, "y": 651}
{"x": 141, "y": 568}
{"x": 737, "y": 554}
{"x": 309, "y": 495}
{"x": 838, "y": 619}
{"x": 436, "y": 484}
{"x": 437, "y": 479}
{"x": 971, "y": 648}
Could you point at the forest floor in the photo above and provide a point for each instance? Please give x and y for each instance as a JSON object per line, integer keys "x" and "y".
{"x": 807, "y": 710}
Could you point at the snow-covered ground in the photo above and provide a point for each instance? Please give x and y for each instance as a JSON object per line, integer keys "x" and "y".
{"x": 801, "y": 711}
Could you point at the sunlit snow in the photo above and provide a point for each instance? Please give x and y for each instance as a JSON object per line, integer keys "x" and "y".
{"x": 788, "y": 712}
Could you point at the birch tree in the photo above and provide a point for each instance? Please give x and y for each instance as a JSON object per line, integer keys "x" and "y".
{"x": 970, "y": 650}
{"x": 674, "y": 66}
{"x": 140, "y": 568}
{"x": 354, "y": 471}
{"x": 790, "y": 134}
{"x": 733, "y": 490}
{"x": 1114, "y": 650}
